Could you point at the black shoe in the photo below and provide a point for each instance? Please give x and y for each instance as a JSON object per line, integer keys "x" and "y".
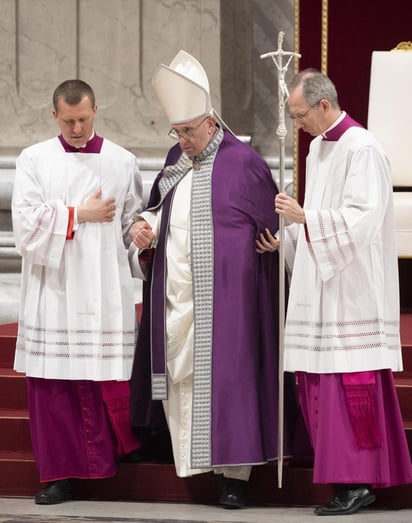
{"x": 232, "y": 492}
{"x": 54, "y": 493}
{"x": 348, "y": 501}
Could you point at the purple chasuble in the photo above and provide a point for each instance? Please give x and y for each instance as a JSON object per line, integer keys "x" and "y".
{"x": 244, "y": 347}
{"x": 158, "y": 328}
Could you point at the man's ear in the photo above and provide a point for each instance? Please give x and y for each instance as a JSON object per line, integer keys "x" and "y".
{"x": 325, "y": 104}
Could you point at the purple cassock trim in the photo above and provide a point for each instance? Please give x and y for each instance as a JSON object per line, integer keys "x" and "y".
{"x": 158, "y": 296}
{"x": 334, "y": 134}
{"x": 92, "y": 146}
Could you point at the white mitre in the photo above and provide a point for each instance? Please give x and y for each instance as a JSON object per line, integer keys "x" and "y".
{"x": 183, "y": 89}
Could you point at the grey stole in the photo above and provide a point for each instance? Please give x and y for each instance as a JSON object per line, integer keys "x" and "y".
{"x": 202, "y": 261}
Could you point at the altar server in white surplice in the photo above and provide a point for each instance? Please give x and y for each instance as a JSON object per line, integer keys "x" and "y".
{"x": 342, "y": 329}
{"x": 73, "y": 202}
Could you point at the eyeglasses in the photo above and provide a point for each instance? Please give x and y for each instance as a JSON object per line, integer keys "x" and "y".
{"x": 186, "y": 132}
{"x": 304, "y": 115}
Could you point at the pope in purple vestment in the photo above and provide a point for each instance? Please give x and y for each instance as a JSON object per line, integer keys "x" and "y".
{"x": 231, "y": 387}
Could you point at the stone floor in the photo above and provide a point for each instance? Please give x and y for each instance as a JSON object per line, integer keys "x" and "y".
{"x": 23, "y": 510}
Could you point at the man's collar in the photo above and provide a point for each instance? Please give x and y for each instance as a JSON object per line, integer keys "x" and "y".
{"x": 339, "y": 127}
{"x": 92, "y": 146}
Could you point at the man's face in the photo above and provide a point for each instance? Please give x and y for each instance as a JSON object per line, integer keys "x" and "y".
{"x": 75, "y": 121}
{"x": 195, "y": 135}
{"x": 310, "y": 119}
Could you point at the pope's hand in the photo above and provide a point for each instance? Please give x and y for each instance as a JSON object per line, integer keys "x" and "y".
{"x": 142, "y": 234}
{"x": 267, "y": 242}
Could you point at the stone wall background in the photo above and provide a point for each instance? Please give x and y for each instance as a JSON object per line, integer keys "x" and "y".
{"x": 115, "y": 45}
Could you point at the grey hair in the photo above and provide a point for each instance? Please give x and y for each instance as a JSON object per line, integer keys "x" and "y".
{"x": 316, "y": 86}
{"x": 72, "y": 92}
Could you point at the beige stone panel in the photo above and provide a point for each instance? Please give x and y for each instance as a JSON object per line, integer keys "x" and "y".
{"x": 45, "y": 47}
{"x": 7, "y": 56}
{"x": 115, "y": 45}
{"x": 37, "y": 45}
{"x": 109, "y": 59}
{"x": 167, "y": 27}
{"x": 109, "y": 48}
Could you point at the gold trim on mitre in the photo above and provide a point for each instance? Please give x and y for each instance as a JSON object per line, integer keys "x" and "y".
{"x": 403, "y": 46}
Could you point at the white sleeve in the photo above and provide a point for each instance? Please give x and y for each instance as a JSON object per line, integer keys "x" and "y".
{"x": 137, "y": 268}
{"x": 337, "y": 235}
{"x": 39, "y": 226}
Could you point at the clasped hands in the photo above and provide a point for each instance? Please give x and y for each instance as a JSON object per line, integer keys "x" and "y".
{"x": 288, "y": 208}
{"x": 141, "y": 234}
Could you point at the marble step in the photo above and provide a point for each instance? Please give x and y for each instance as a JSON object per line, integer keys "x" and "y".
{"x": 14, "y": 430}
{"x": 13, "y": 391}
{"x": 158, "y": 482}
